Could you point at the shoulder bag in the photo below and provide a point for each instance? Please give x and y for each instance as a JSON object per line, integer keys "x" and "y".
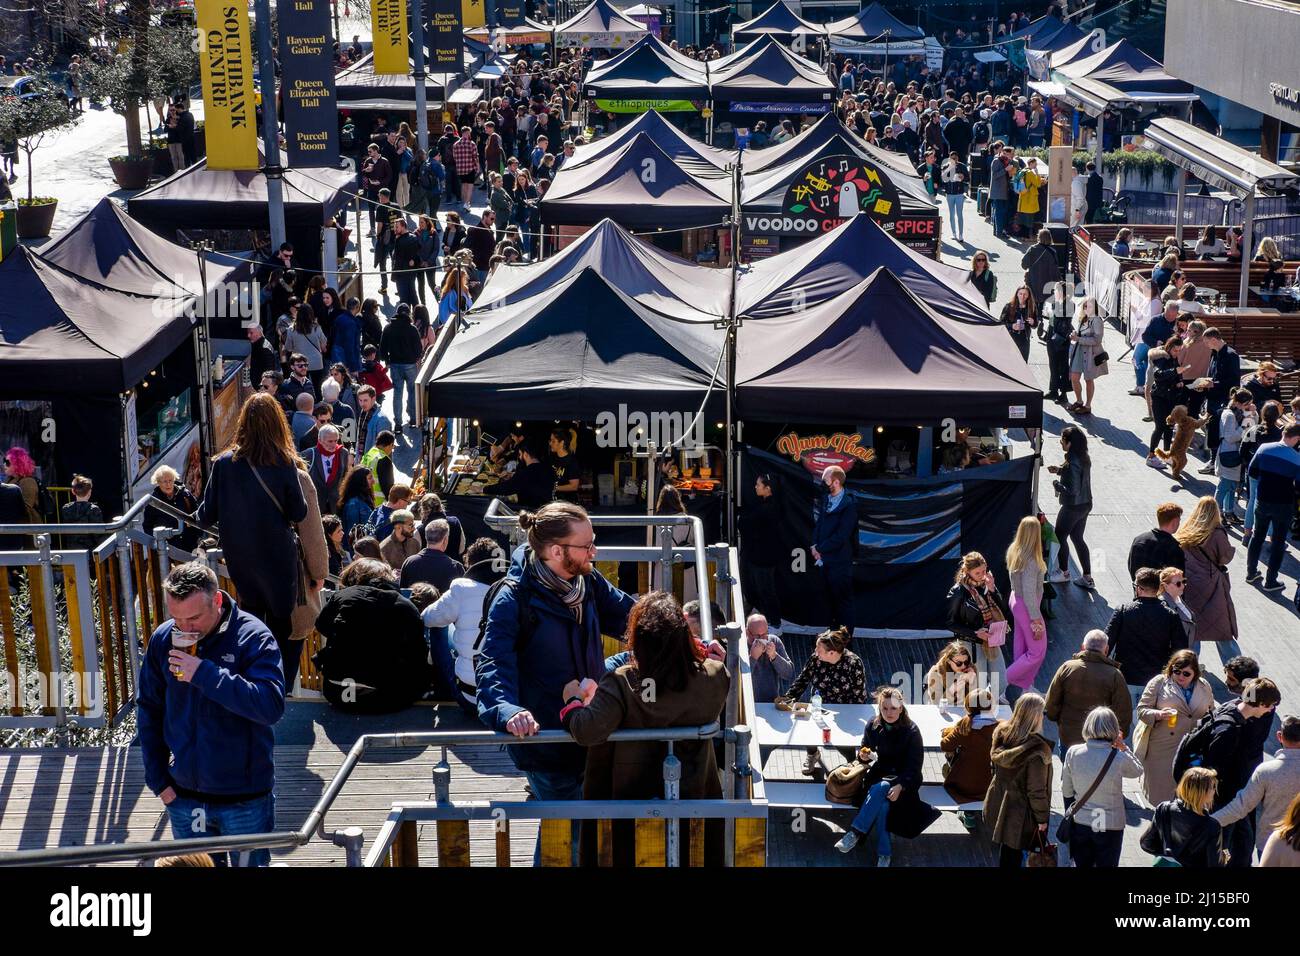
{"x": 844, "y": 783}
{"x": 1064, "y": 829}
{"x": 1041, "y": 853}
{"x": 303, "y": 618}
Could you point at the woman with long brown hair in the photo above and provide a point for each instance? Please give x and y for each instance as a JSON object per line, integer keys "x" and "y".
{"x": 688, "y": 689}
{"x": 254, "y": 495}
{"x": 1207, "y": 553}
{"x": 836, "y": 675}
{"x": 953, "y": 675}
{"x": 305, "y": 337}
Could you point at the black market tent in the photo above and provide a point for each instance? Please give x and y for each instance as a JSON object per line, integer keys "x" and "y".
{"x": 1085, "y": 46}
{"x": 873, "y": 24}
{"x": 882, "y": 352}
{"x": 658, "y": 280}
{"x": 639, "y": 186}
{"x": 598, "y": 25}
{"x": 697, "y": 158}
{"x": 202, "y": 198}
{"x": 649, "y": 69}
{"x": 359, "y": 87}
{"x": 1049, "y": 33}
{"x": 769, "y": 172}
{"x": 778, "y": 21}
{"x": 583, "y": 348}
{"x": 108, "y": 247}
{"x": 1124, "y": 67}
{"x": 767, "y": 72}
{"x": 836, "y": 262}
{"x": 63, "y": 334}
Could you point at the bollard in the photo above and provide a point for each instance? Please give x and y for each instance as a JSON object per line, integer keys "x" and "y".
{"x": 442, "y": 779}
{"x": 351, "y": 839}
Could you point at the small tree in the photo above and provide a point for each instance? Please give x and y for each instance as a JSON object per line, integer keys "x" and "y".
{"x": 34, "y": 121}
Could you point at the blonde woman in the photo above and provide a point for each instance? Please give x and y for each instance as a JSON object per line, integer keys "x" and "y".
{"x": 1182, "y": 829}
{"x": 1173, "y": 584}
{"x": 1026, "y": 566}
{"x": 1171, "y": 704}
{"x": 976, "y": 613}
{"x": 953, "y": 675}
{"x": 1017, "y": 806}
{"x": 1207, "y": 553}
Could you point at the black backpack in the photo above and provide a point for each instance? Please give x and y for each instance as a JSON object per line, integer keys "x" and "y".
{"x": 527, "y": 616}
{"x": 426, "y": 178}
{"x": 1193, "y": 748}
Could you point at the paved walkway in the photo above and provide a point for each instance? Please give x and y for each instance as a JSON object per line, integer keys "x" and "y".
{"x": 1125, "y": 493}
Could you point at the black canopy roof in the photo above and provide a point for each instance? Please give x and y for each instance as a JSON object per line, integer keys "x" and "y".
{"x": 664, "y": 283}
{"x": 110, "y": 248}
{"x": 639, "y": 186}
{"x": 769, "y": 172}
{"x": 1048, "y": 32}
{"x": 765, "y": 71}
{"x": 839, "y": 260}
{"x": 649, "y": 69}
{"x": 874, "y": 22}
{"x": 202, "y": 198}
{"x": 880, "y": 354}
{"x": 582, "y": 348}
{"x": 695, "y": 157}
{"x": 779, "y": 21}
{"x": 1126, "y": 68}
{"x": 61, "y": 334}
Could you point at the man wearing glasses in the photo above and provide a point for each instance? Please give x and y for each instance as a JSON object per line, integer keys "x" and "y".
{"x": 542, "y": 632}
{"x": 1144, "y": 633}
{"x": 298, "y": 383}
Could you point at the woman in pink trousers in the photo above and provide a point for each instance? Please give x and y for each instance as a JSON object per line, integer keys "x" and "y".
{"x": 1026, "y": 567}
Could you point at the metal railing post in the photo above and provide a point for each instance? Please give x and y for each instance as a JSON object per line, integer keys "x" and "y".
{"x": 50, "y": 625}
{"x": 442, "y": 779}
{"x": 666, "y": 558}
{"x": 128, "y": 610}
{"x": 161, "y": 542}
{"x": 352, "y": 839}
{"x": 743, "y": 769}
{"x": 673, "y": 791}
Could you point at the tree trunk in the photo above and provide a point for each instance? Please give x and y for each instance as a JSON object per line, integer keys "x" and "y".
{"x": 138, "y": 14}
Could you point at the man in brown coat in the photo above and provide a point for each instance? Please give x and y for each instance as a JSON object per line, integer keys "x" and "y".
{"x": 1088, "y": 679}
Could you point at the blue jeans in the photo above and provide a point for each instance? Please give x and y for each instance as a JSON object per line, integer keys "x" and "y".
{"x": 1252, "y": 485}
{"x": 555, "y": 785}
{"x": 873, "y": 813}
{"x": 956, "y": 209}
{"x": 1225, "y": 496}
{"x": 999, "y": 207}
{"x": 403, "y": 377}
{"x": 1279, "y": 517}
{"x": 197, "y": 820}
{"x": 1140, "y": 363}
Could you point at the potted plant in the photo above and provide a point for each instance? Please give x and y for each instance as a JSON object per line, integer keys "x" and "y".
{"x": 33, "y": 118}
{"x": 157, "y": 64}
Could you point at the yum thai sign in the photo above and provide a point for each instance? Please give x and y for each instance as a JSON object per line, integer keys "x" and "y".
{"x": 819, "y": 452}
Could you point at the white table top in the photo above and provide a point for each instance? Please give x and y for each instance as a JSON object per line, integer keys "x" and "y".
{"x": 777, "y": 728}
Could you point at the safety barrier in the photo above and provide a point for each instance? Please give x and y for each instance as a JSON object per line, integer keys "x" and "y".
{"x": 660, "y": 839}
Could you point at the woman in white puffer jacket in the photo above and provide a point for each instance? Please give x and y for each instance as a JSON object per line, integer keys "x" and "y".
{"x": 461, "y": 608}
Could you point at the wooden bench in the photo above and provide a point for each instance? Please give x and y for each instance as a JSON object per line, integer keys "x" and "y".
{"x": 812, "y": 796}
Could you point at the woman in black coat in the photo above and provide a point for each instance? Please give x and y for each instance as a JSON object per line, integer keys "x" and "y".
{"x": 1055, "y": 331}
{"x": 974, "y": 604}
{"x": 168, "y": 488}
{"x": 1020, "y": 316}
{"x": 1165, "y": 376}
{"x": 375, "y": 659}
{"x": 892, "y": 786}
{"x": 256, "y": 522}
{"x": 1182, "y": 829}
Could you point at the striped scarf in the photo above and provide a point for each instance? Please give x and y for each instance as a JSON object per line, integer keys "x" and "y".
{"x": 571, "y": 593}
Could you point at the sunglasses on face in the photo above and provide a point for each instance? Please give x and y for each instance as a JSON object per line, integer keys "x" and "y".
{"x": 1185, "y": 673}
{"x": 961, "y": 665}
{"x": 1178, "y": 582}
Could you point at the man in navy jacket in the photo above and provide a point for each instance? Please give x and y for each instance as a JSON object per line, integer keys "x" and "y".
{"x": 834, "y": 537}
{"x": 544, "y": 630}
{"x": 206, "y": 713}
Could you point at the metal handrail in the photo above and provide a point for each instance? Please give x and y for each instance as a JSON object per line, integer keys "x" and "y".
{"x": 106, "y": 527}
{"x": 350, "y": 838}
{"x": 494, "y": 518}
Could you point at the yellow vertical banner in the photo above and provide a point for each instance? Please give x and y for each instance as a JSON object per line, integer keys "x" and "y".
{"x": 472, "y": 13}
{"x": 389, "y": 33}
{"x": 226, "y": 61}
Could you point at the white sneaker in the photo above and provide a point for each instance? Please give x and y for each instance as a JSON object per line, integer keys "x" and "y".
{"x": 1059, "y": 577}
{"x": 848, "y": 841}
{"x": 1154, "y": 462}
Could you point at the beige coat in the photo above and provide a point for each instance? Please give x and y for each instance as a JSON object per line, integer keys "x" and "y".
{"x": 1155, "y": 742}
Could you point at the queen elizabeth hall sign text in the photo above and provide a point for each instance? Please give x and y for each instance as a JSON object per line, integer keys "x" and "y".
{"x": 226, "y": 60}
{"x": 311, "y": 126}
{"x": 447, "y": 29}
{"x": 388, "y": 30}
